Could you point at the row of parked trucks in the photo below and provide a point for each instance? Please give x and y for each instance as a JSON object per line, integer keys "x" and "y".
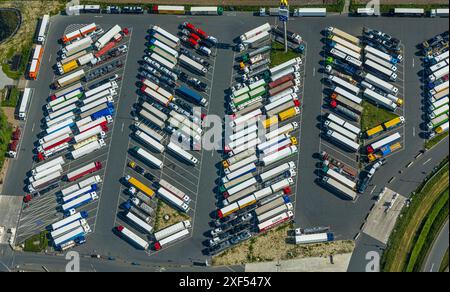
{"x": 436, "y": 98}
{"x": 158, "y": 108}
{"x": 360, "y": 69}
{"x": 254, "y": 183}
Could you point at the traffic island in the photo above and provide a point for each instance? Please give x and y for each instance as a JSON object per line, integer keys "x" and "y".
{"x": 275, "y": 246}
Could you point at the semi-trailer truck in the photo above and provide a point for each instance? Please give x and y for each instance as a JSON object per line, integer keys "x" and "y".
{"x": 83, "y": 171}
{"x": 87, "y": 149}
{"x": 182, "y": 153}
{"x": 128, "y": 234}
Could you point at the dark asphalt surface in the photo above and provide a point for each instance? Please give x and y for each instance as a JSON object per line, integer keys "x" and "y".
{"x": 315, "y": 206}
{"x": 437, "y": 253}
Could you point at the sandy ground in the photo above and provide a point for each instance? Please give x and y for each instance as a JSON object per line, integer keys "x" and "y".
{"x": 312, "y": 264}
{"x": 174, "y": 215}
{"x": 275, "y": 245}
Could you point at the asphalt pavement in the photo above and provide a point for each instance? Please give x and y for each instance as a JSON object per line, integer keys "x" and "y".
{"x": 315, "y": 206}
{"x": 437, "y": 253}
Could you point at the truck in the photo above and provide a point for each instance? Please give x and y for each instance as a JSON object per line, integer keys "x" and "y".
{"x": 341, "y": 82}
{"x": 160, "y": 244}
{"x": 340, "y": 100}
{"x": 48, "y": 171}
{"x": 289, "y": 113}
{"x": 246, "y": 57}
{"x": 42, "y": 32}
{"x": 172, "y": 199}
{"x": 102, "y": 122}
{"x": 149, "y": 141}
{"x": 172, "y": 52}
{"x": 279, "y": 155}
{"x": 54, "y": 143}
{"x": 241, "y": 163}
{"x": 350, "y": 96}
{"x": 82, "y": 184}
{"x": 172, "y": 229}
{"x": 192, "y": 65}
{"x": 438, "y": 74}
{"x": 371, "y": 65}
{"x": 105, "y": 38}
{"x": 384, "y": 151}
{"x": 340, "y": 33}
{"x": 162, "y": 61}
{"x": 180, "y": 194}
{"x": 66, "y": 91}
{"x": 147, "y": 157}
{"x": 334, "y": 173}
{"x": 337, "y": 186}
{"x": 83, "y": 171}
{"x": 87, "y": 149}
{"x": 68, "y": 220}
{"x": 24, "y": 103}
{"x": 292, "y": 62}
{"x": 47, "y": 165}
{"x": 254, "y": 41}
{"x": 77, "y": 46}
{"x": 380, "y": 100}
{"x": 83, "y": 31}
{"x": 152, "y": 118}
{"x": 275, "y": 221}
{"x": 382, "y": 142}
{"x": 149, "y": 131}
{"x": 80, "y": 201}
{"x": 182, "y": 153}
{"x": 382, "y": 62}
{"x": 252, "y": 33}
{"x": 248, "y": 169}
{"x": 165, "y": 40}
{"x": 265, "y": 207}
{"x": 128, "y": 206}
{"x": 314, "y": 238}
{"x": 82, "y": 191}
{"x": 275, "y": 211}
{"x": 383, "y": 55}
{"x": 342, "y": 140}
{"x": 157, "y": 29}
{"x": 310, "y": 12}
{"x": 293, "y": 37}
{"x": 192, "y": 95}
{"x": 129, "y": 235}
{"x": 77, "y": 236}
{"x": 345, "y": 43}
{"x": 136, "y": 185}
{"x": 156, "y": 96}
{"x": 210, "y": 10}
{"x": 69, "y": 79}
{"x": 163, "y": 54}
{"x": 274, "y": 172}
{"x": 44, "y": 182}
{"x": 354, "y": 129}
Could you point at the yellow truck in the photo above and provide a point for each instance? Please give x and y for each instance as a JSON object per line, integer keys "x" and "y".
{"x": 72, "y": 65}
{"x": 289, "y": 113}
{"x": 384, "y": 151}
{"x": 270, "y": 122}
{"x": 137, "y": 185}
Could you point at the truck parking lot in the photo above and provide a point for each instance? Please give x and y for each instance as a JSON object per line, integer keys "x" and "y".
{"x": 314, "y": 206}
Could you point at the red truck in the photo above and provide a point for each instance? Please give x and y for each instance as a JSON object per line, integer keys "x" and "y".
{"x": 105, "y": 49}
{"x": 281, "y": 88}
{"x": 281, "y": 81}
{"x": 16, "y": 134}
{"x": 85, "y": 170}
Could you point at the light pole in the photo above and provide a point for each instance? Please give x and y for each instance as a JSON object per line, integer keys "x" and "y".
{"x": 284, "y": 17}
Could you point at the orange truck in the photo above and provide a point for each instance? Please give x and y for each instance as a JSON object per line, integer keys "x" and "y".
{"x": 35, "y": 62}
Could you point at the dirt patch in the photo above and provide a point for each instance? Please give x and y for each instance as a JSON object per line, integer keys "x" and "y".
{"x": 9, "y": 113}
{"x": 174, "y": 216}
{"x": 274, "y": 245}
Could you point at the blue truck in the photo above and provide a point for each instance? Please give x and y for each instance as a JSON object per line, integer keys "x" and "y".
{"x": 109, "y": 111}
{"x": 192, "y": 95}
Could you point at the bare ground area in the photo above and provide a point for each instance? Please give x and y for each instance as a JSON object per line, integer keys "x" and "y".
{"x": 274, "y": 246}
{"x": 174, "y": 216}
